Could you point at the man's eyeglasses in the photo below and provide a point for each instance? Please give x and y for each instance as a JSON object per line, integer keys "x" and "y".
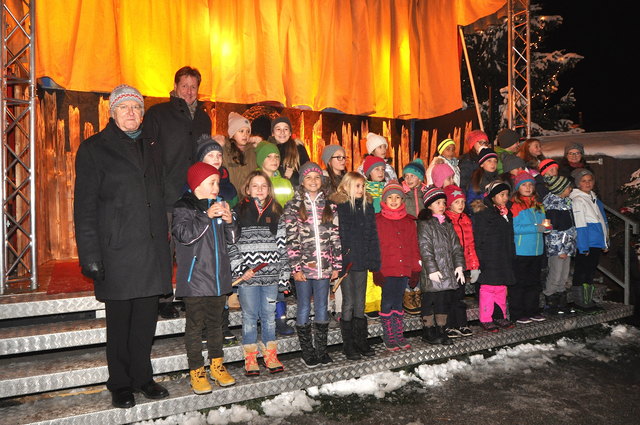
{"x": 339, "y": 158}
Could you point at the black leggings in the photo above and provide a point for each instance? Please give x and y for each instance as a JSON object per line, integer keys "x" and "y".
{"x": 585, "y": 266}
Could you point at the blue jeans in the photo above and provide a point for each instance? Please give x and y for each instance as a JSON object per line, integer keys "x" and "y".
{"x": 258, "y": 302}
{"x": 319, "y": 291}
{"x": 392, "y": 293}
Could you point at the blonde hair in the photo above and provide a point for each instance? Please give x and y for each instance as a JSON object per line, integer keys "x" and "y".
{"x": 347, "y": 187}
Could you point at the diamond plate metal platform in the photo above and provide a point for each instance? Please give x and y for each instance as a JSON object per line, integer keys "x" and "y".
{"x": 93, "y": 406}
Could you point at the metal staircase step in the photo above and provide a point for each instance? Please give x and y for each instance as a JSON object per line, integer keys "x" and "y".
{"x": 41, "y": 304}
{"x": 82, "y": 367}
{"x": 93, "y": 407}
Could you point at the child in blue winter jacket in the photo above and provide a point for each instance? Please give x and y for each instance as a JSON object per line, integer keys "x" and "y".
{"x": 560, "y": 242}
{"x": 592, "y": 237}
{"x": 528, "y": 228}
{"x": 202, "y": 226}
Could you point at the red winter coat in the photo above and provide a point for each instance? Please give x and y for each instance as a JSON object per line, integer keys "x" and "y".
{"x": 464, "y": 229}
{"x": 399, "y": 254}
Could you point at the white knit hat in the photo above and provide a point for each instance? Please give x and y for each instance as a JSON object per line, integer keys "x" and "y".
{"x": 236, "y": 122}
{"x": 375, "y": 140}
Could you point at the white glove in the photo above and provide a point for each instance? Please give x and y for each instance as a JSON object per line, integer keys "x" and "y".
{"x": 435, "y": 277}
{"x": 459, "y": 275}
{"x": 475, "y": 274}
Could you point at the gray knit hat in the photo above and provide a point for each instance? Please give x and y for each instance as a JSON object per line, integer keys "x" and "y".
{"x": 579, "y": 173}
{"x": 279, "y": 120}
{"x": 571, "y": 146}
{"x": 511, "y": 162}
{"x": 307, "y": 168}
{"x": 123, "y": 93}
{"x": 329, "y": 151}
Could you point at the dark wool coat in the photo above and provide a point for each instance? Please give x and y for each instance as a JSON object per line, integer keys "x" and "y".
{"x": 495, "y": 244}
{"x": 119, "y": 214}
{"x": 204, "y": 268}
{"x": 170, "y": 123}
{"x": 441, "y": 251}
{"x": 468, "y": 164}
{"x": 358, "y": 233}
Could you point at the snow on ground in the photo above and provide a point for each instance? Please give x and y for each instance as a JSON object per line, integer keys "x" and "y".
{"x": 522, "y": 358}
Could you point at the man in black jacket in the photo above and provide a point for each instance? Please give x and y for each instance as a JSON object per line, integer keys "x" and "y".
{"x": 122, "y": 238}
{"x": 176, "y": 125}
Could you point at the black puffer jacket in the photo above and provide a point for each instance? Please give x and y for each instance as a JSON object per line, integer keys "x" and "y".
{"x": 495, "y": 244}
{"x": 204, "y": 268}
{"x": 170, "y": 123}
{"x": 119, "y": 215}
{"x": 441, "y": 251}
{"x": 358, "y": 233}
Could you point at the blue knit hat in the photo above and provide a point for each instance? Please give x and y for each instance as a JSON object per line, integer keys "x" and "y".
{"x": 415, "y": 167}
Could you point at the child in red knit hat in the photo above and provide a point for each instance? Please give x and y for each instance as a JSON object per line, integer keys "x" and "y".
{"x": 457, "y": 320}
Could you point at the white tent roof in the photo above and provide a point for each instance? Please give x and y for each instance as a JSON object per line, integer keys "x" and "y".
{"x": 617, "y": 144}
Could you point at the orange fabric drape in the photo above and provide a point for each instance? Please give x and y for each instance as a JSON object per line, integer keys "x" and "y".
{"x": 390, "y": 58}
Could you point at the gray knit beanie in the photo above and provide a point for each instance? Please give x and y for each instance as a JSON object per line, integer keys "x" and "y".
{"x": 329, "y": 151}
{"x": 123, "y": 93}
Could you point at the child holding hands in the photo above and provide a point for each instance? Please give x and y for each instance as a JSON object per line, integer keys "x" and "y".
{"x": 202, "y": 228}
{"x": 442, "y": 265}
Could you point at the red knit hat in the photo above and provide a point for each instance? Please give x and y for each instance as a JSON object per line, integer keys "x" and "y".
{"x": 475, "y": 136}
{"x": 371, "y": 162}
{"x": 453, "y": 192}
{"x": 522, "y": 177}
{"x": 198, "y": 172}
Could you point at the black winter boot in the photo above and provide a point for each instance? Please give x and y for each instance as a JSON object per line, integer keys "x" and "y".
{"x": 346, "y": 327}
{"x": 552, "y": 303}
{"x": 321, "y": 343}
{"x": 443, "y": 336}
{"x": 306, "y": 345}
{"x": 360, "y": 334}
{"x": 431, "y": 335}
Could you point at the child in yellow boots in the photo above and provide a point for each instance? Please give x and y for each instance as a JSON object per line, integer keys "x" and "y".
{"x": 202, "y": 226}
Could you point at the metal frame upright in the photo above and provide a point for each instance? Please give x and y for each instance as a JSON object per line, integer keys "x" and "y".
{"x": 17, "y": 151}
{"x": 519, "y": 72}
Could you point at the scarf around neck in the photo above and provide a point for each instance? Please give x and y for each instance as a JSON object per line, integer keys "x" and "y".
{"x": 391, "y": 214}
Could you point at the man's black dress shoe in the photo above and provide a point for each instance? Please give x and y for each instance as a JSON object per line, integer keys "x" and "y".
{"x": 153, "y": 390}
{"x": 123, "y": 398}
{"x": 168, "y": 311}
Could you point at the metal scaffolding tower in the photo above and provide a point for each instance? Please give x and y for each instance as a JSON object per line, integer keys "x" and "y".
{"x": 17, "y": 152}
{"x": 519, "y": 59}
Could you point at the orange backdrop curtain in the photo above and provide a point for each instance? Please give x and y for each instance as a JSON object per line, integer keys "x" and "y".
{"x": 390, "y": 58}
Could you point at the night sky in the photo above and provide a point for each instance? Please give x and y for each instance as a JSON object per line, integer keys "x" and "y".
{"x": 605, "y": 83}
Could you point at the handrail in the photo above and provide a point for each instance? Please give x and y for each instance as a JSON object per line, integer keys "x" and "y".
{"x": 629, "y": 226}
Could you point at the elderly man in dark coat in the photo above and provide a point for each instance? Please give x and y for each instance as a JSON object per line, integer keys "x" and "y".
{"x": 122, "y": 237}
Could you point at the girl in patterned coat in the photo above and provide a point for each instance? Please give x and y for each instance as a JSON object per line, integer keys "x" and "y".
{"x": 261, "y": 241}
{"x": 313, "y": 245}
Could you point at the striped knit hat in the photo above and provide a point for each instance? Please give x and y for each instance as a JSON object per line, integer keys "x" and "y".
{"x": 496, "y": 187}
{"x": 392, "y": 187}
{"x": 123, "y": 93}
{"x": 371, "y": 162}
{"x": 557, "y": 184}
{"x": 486, "y": 153}
{"x": 432, "y": 194}
{"x": 523, "y": 177}
{"x": 547, "y": 164}
{"x": 444, "y": 144}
